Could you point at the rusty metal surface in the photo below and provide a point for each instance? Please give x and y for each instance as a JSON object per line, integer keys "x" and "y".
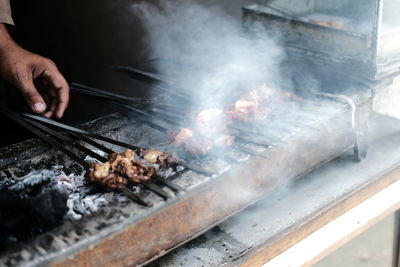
{"x": 128, "y": 234}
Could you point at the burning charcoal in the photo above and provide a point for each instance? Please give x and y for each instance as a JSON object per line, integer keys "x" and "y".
{"x": 29, "y": 206}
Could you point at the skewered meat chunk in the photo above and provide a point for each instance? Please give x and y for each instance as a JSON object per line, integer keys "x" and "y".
{"x": 126, "y": 165}
{"x": 212, "y": 121}
{"x": 179, "y": 138}
{"x": 165, "y": 160}
{"x": 195, "y": 145}
{"x": 243, "y": 110}
{"x": 151, "y": 155}
{"x": 211, "y": 124}
{"x": 116, "y": 172}
{"x": 198, "y": 145}
{"x": 100, "y": 175}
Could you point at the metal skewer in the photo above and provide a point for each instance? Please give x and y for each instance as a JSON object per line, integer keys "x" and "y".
{"x": 17, "y": 118}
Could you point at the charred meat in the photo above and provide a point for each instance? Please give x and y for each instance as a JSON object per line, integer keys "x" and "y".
{"x": 118, "y": 170}
{"x": 102, "y": 176}
{"x": 165, "y": 160}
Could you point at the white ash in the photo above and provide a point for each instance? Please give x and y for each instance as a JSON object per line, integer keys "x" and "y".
{"x": 83, "y": 200}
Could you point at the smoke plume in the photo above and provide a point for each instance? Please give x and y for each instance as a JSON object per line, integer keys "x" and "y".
{"x": 206, "y": 50}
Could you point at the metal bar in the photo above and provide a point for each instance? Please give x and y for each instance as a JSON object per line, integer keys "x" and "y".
{"x": 108, "y": 140}
{"x": 92, "y": 142}
{"x": 168, "y": 183}
{"x": 251, "y": 152}
{"x": 178, "y": 124}
{"x": 195, "y": 168}
{"x": 65, "y": 140}
{"x": 147, "y": 76}
{"x": 17, "y": 118}
{"x": 155, "y": 189}
{"x": 141, "y": 112}
{"x": 152, "y": 79}
{"x": 396, "y": 240}
{"x": 109, "y": 94}
{"x": 249, "y": 132}
{"x": 149, "y": 123}
{"x": 134, "y": 197}
{"x": 249, "y": 141}
{"x": 80, "y": 131}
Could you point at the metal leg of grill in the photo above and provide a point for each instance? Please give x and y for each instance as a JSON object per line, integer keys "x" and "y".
{"x": 396, "y": 240}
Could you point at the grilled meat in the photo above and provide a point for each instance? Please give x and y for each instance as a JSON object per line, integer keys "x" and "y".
{"x": 198, "y": 145}
{"x": 101, "y": 175}
{"x": 118, "y": 170}
{"x": 178, "y": 138}
{"x": 126, "y": 165}
{"x": 210, "y": 124}
{"x": 194, "y": 144}
{"x": 212, "y": 121}
{"x": 244, "y": 110}
{"x": 163, "y": 159}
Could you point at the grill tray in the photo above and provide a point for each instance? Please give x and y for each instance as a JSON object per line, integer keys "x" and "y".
{"x": 126, "y": 233}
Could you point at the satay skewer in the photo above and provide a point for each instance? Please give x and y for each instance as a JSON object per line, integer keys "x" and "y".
{"x": 108, "y": 140}
{"x": 17, "y": 118}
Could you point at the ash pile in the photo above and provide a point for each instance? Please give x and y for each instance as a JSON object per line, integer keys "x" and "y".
{"x": 44, "y": 199}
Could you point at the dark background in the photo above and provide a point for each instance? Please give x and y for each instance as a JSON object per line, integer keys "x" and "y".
{"x": 84, "y": 38}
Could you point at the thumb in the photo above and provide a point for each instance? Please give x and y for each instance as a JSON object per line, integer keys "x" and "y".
{"x": 32, "y": 96}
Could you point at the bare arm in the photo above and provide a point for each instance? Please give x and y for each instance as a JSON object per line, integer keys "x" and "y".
{"x": 37, "y": 78}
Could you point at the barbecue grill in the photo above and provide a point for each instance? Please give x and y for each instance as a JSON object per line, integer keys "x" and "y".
{"x": 142, "y": 233}
{"x": 145, "y": 221}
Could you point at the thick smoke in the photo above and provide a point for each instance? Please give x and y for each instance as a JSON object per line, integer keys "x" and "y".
{"x": 206, "y": 51}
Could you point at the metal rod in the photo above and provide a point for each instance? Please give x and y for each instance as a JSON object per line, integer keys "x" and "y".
{"x": 103, "y": 93}
{"x": 134, "y": 197}
{"x": 92, "y": 142}
{"x": 141, "y": 112}
{"x": 152, "y": 79}
{"x": 108, "y": 140}
{"x": 396, "y": 240}
{"x": 195, "y": 168}
{"x": 65, "y": 140}
{"x": 168, "y": 183}
{"x": 249, "y": 141}
{"x": 155, "y": 189}
{"x": 17, "y": 118}
{"x": 251, "y": 152}
{"x": 80, "y": 131}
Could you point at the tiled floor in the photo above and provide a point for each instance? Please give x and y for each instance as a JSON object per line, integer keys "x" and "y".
{"x": 372, "y": 248}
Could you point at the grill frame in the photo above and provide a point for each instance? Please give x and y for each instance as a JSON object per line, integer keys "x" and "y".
{"x": 137, "y": 235}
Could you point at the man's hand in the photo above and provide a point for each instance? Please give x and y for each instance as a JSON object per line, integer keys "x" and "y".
{"x": 38, "y": 78}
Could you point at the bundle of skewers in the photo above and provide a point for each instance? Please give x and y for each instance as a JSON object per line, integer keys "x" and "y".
{"x": 200, "y": 132}
{"x": 118, "y": 171}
